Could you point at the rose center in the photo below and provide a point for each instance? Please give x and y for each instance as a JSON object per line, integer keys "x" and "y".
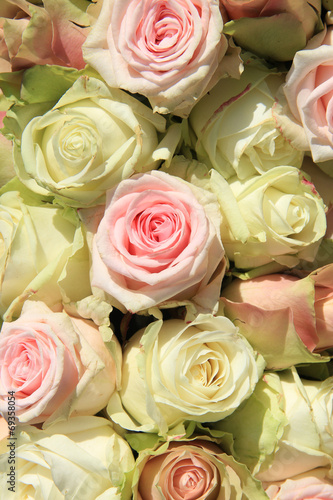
{"x": 158, "y": 224}
{"x": 189, "y": 480}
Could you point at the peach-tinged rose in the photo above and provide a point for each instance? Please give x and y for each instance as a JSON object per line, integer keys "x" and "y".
{"x": 51, "y": 33}
{"x": 273, "y": 29}
{"x": 55, "y": 364}
{"x": 172, "y": 52}
{"x": 193, "y": 470}
{"x": 313, "y": 484}
{"x": 304, "y": 111}
{"x": 303, "y": 305}
{"x": 158, "y": 240}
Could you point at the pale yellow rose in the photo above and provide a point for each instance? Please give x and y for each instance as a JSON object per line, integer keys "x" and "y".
{"x": 91, "y": 139}
{"x": 82, "y": 458}
{"x": 40, "y": 245}
{"x": 174, "y": 371}
{"x": 233, "y": 126}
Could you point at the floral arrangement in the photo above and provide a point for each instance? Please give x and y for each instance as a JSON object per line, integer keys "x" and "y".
{"x": 166, "y": 249}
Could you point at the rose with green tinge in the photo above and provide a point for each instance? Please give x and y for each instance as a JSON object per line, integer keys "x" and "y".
{"x": 272, "y": 29}
{"x": 89, "y": 141}
{"x": 234, "y": 130}
{"x": 173, "y": 371}
{"x": 82, "y": 457}
{"x": 41, "y": 245}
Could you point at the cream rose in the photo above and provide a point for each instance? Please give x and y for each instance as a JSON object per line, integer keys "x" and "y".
{"x": 174, "y": 371}
{"x": 234, "y": 128}
{"x": 88, "y": 142}
{"x": 172, "y": 52}
{"x": 158, "y": 241}
{"x": 278, "y": 218}
{"x": 56, "y": 365}
{"x": 40, "y": 243}
{"x": 288, "y": 423}
{"x": 196, "y": 469}
{"x": 81, "y": 458}
{"x": 307, "y": 440}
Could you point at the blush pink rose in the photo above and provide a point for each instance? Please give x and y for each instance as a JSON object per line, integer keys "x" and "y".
{"x": 193, "y": 470}
{"x": 49, "y": 34}
{"x": 303, "y": 305}
{"x": 159, "y": 240}
{"x": 170, "y": 52}
{"x": 306, "y": 117}
{"x": 57, "y": 365}
{"x": 313, "y": 484}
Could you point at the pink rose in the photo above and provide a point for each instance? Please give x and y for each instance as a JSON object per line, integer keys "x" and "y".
{"x": 56, "y": 365}
{"x": 281, "y": 305}
{"x": 31, "y": 34}
{"x": 313, "y": 484}
{"x": 159, "y": 240}
{"x": 193, "y": 470}
{"x": 306, "y": 118}
{"x": 170, "y": 52}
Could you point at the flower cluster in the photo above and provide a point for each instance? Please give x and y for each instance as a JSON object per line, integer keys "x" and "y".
{"x": 166, "y": 249}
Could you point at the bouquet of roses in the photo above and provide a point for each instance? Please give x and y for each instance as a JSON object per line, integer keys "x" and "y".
{"x": 166, "y": 249}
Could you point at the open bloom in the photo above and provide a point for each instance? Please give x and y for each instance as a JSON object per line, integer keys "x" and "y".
{"x": 170, "y": 52}
{"x": 89, "y": 141}
{"x": 277, "y": 217}
{"x": 158, "y": 240}
{"x": 82, "y": 457}
{"x": 173, "y": 371}
{"x": 54, "y": 364}
{"x": 304, "y": 111}
{"x": 196, "y": 469}
{"x": 234, "y": 128}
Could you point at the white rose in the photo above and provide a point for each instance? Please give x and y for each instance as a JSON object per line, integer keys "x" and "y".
{"x": 82, "y": 458}
{"x": 174, "y": 371}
